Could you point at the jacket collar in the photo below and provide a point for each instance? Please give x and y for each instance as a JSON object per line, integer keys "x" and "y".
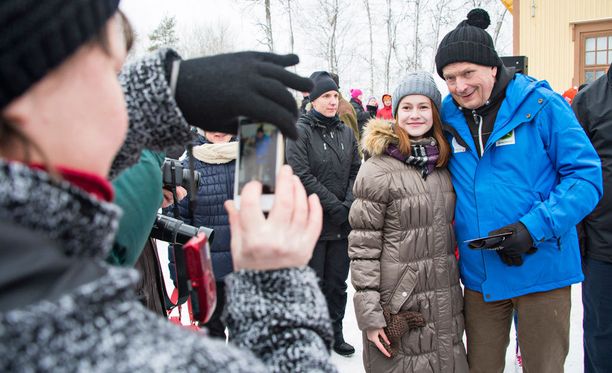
{"x": 523, "y": 101}
{"x": 315, "y": 121}
{"x": 80, "y": 223}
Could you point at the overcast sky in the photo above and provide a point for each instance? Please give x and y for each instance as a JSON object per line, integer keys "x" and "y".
{"x": 145, "y": 15}
{"x": 242, "y": 19}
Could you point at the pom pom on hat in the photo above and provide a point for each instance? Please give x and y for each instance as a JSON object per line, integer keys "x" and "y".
{"x": 479, "y": 18}
{"x": 468, "y": 42}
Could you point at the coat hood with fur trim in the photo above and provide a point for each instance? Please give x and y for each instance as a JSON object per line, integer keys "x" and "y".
{"x": 377, "y": 135}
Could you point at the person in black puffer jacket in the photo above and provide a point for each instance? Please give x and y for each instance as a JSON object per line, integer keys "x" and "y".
{"x": 326, "y": 159}
{"x": 215, "y": 161}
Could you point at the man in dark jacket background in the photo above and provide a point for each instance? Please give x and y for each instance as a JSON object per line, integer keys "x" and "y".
{"x": 593, "y": 108}
{"x": 326, "y": 159}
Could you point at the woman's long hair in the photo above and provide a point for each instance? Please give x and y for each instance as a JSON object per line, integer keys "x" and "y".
{"x": 436, "y": 132}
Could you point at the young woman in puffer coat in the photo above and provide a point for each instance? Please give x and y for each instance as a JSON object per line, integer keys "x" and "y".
{"x": 64, "y": 119}
{"x": 402, "y": 243}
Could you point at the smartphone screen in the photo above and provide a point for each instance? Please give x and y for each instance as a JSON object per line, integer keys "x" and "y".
{"x": 260, "y": 156}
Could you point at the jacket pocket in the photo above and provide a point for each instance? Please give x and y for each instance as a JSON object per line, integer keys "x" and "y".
{"x": 403, "y": 290}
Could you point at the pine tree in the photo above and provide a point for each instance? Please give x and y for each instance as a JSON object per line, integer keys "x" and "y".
{"x": 164, "y": 34}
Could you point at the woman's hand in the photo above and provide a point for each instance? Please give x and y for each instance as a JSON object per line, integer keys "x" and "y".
{"x": 287, "y": 237}
{"x": 374, "y": 335}
{"x": 169, "y": 199}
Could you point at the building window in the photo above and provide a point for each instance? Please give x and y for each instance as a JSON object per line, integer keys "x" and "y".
{"x": 597, "y": 56}
{"x": 592, "y": 50}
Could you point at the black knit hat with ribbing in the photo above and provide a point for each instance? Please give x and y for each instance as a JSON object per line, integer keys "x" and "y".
{"x": 323, "y": 82}
{"x": 38, "y": 35}
{"x": 468, "y": 42}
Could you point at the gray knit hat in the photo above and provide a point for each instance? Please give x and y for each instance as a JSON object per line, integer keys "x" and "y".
{"x": 417, "y": 83}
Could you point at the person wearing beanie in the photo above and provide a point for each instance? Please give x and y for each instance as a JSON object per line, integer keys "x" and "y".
{"x": 521, "y": 166}
{"x": 71, "y": 117}
{"x": 372, "y": 106}
{"x": 403, "y": 264}
{"x": 592, "y": 107}
{"x": 326, "y": 159}
{"x": 362, "y": 115}
{"x": 385, "y": 112}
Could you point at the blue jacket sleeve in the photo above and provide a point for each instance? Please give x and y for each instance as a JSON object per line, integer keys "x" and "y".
{"x": 578, "y": 169}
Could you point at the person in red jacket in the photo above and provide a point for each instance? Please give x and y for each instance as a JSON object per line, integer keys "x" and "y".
{"x": 385, "y": 112}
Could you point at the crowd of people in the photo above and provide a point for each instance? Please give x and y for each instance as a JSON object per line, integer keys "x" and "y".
{"x": 391, "y": 193}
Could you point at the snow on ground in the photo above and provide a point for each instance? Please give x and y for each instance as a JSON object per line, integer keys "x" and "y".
{"x": 573, "y": 363}
{"x": 352, "y": 334}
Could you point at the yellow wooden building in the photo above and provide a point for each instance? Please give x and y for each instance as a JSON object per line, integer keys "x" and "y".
{"x": 567, "y": 42}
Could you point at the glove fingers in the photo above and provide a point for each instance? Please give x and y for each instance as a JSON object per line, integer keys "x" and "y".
{"x": 277, "y": 92}
{"x": 517, "y": 260}
{"x": 278, "y": 59}
{"x": 286, "y": 77}
{"x": 504, "y": 258}
{"x": 265, "y": 110}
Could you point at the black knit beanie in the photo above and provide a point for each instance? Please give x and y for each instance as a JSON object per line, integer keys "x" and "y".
{"x": 38, "y": 35}
{"x": 323, "y": 82}
{"x": 468, "y": 42}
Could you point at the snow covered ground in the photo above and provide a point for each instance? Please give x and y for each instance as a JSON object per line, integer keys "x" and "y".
{"x": 573, "y": 363}
{"x": 352, "y": 334}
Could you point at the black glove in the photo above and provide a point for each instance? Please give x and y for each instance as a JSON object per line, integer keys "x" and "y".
{"x": 212, "y": 91}
{"x": 513, "y": 247}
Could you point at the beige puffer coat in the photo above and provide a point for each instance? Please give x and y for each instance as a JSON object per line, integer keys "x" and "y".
{"x": 402, "y": 254}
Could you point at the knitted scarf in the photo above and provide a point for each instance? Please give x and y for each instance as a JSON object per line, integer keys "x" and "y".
{"x": 216, "y": 153}
{"x": 424, "y": 154}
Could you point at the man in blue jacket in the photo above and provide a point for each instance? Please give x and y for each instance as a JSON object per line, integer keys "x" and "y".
{"x": 522, "y": 164}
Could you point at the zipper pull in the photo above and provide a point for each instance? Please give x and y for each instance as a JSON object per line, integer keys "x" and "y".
{"x": 342, "y": 145}
{"x": 324, "y": 146}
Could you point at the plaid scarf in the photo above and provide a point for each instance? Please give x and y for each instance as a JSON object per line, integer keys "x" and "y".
{"x": 424, "y": 154}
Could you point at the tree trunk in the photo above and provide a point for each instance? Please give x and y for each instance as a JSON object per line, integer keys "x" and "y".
{"x": 333, "y": 22}
{"x": 270, "y": 40}
{"x": 291, "y": 38}
{"x": 417, "y": 53}
{"x": 371, "y": 60}
{"x": 389, "y": 46}
{"x": 498, "y": 26}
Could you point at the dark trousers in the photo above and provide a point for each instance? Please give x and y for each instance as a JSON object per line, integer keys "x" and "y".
{"x": 543, "y": 330}
{"x": 597, "y": 322}
{"x": 216, "y": 328}
{"x": 331, "y": 263}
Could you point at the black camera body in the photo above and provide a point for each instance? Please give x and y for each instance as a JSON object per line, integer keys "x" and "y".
{"x": 175, "y": 231}
{"x": 174, "y": 174}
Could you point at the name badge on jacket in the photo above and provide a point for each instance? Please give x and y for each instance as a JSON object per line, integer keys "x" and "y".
{"x": 508, "y": 139}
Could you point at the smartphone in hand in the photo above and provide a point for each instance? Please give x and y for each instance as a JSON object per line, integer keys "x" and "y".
{"x": 491, "y": 242}
{"x": 261, "y": 154}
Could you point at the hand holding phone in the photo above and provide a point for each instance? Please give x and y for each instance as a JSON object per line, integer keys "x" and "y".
{"x": 286, "y": 238}
{"x": 260, "y": 156}
{"x": 491, "y": 242}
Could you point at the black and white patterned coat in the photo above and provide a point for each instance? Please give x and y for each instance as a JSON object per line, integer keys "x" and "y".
{"x": 278, "y": 319}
